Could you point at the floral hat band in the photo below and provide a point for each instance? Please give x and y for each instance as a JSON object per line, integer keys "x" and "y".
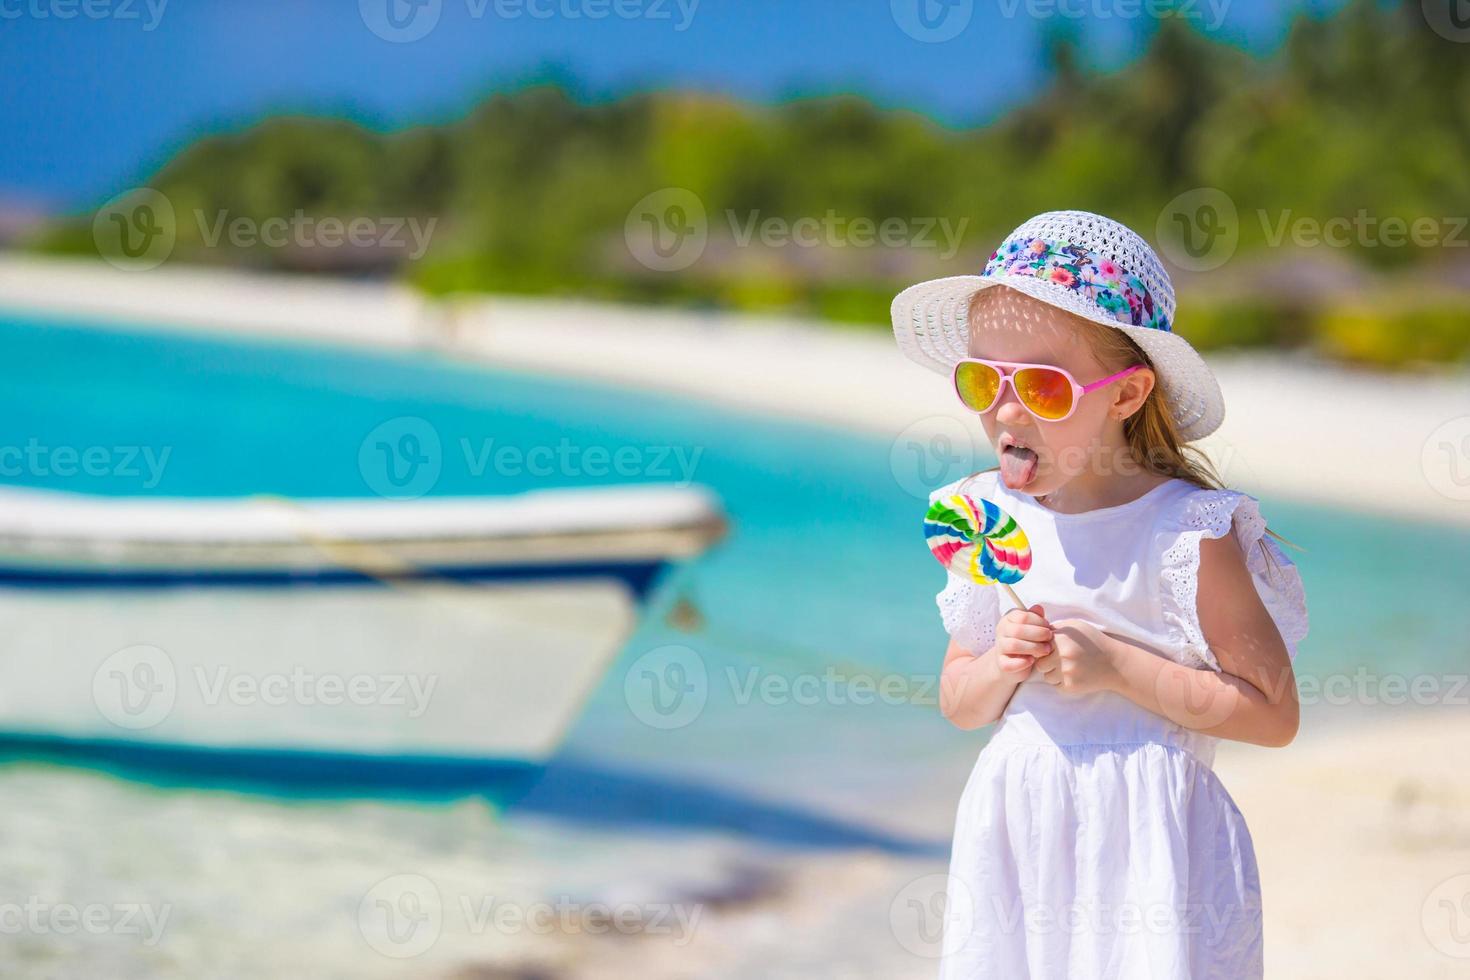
{"x": 1120, "y": 294}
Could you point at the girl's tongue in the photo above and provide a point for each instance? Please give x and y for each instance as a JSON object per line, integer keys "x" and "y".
{"x": 1017, "y": 466}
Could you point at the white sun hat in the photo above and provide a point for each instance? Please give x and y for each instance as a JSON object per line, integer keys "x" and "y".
{"x": 1085, "y": 264}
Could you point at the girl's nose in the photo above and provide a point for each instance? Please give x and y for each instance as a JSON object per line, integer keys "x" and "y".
{"x": 1009, "y": 410}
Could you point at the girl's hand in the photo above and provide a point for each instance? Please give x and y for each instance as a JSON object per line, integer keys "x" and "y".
{"x": 1021, "y": 636}
{"x": 1084, "y": 660}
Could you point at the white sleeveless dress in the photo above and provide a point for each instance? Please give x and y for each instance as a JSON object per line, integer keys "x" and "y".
{"x": 1093, "y": 840}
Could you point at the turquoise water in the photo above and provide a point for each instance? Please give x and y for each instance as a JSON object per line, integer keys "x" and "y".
{"x": 824, "y": 563}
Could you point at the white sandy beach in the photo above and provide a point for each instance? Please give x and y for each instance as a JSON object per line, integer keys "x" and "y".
{"x": 1362, "y": 832}
{"x": 1363, "y": 838}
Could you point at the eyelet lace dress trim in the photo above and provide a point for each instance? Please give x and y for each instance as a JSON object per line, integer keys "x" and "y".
{"x": 1278, "y": 582}
{"x": 969, "y": 612}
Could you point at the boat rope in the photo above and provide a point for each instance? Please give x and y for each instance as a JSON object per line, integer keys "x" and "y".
{"x": 684, "y": 613}
{"x": 376, "y": 562}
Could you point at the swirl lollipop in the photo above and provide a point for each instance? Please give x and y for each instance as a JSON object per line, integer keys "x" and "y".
{"x": 974, "y": 538}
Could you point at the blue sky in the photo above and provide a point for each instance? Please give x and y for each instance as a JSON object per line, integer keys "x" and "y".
{"x": 99, "y": 99}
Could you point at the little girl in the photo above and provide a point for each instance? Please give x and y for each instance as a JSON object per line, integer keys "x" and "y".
{"x": 1093, "y": 839}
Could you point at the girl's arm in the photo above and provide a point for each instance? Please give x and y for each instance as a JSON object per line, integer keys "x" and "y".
{"x": 974, "y": 690}
{"x": 1252, "y": 699}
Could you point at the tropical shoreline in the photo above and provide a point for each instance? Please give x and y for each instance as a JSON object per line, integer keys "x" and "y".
{"x": 1378, "y": 443}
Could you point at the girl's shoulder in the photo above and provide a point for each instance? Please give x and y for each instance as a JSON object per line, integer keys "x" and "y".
{"x": 1188, "y": 514}
{"x": 1186, "y": 519}
{"x": 1185, "y": 508}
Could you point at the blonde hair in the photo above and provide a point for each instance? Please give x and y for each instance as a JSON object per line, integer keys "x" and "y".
{"x": 1153, "y": 437}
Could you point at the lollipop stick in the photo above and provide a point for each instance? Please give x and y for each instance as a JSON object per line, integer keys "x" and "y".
{"x": 1014, "y": 598}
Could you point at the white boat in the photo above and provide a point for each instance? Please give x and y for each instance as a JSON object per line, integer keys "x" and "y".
{"x": 435, "y": 629}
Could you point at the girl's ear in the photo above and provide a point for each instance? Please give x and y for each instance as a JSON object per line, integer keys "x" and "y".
{"x": 1132, "y": 392}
